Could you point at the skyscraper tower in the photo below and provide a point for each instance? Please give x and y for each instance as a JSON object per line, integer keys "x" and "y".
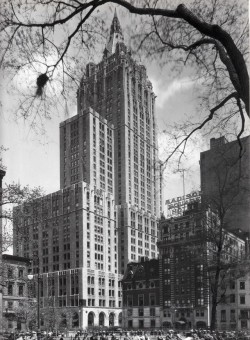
{"x": 119, "y": 90}
{"x": 106, "y": 211}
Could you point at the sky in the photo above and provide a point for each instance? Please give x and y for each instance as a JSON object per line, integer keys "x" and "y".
{"x": 33, "y": 158}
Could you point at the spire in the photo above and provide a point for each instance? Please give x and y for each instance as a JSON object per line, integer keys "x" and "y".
{"x": 115, "y": 26}
{"x": 115, "y": 35}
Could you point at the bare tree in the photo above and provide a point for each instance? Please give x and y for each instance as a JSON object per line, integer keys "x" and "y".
{"x": 26, "y": 311}
{"x": 224, "y": 195}
{"x": 226, "y": 256}
{"x": 14, "y": 196}
{"x": 210, "y": 38}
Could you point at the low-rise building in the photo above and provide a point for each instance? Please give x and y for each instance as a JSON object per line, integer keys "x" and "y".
{"x": 234, "y": 312}
{"x": 141, "y": 295}
{"x": 15, "y": 291}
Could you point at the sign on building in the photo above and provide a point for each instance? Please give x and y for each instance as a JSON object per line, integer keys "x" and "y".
{"x": 177, "y": 205}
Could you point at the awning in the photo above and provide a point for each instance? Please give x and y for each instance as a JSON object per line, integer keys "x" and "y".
{"x": 181, "y": 322}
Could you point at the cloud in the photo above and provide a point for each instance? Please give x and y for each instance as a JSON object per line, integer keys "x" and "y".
{"x": 165, "y": 92}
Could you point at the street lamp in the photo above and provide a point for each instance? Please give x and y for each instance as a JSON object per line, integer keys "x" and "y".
{"x": 31, "y": 277}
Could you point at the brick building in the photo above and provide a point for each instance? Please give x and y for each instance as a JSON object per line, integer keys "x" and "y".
{"x": 187, "y": 258}
{"x": 141, "y": 295}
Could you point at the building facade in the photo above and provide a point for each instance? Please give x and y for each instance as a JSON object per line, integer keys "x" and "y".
{"x": 183, "y": 276}
{"x": 141, "y": 295}
{"x": 73, "y": 233}
{"x": 119, "y": 90}
{"x": 224, "y": 171}
{"x": 14, "y": 270}
{"x": 106, "y": 211}
{"x": 187, "y": 260}
{"x": 234, "y": 314}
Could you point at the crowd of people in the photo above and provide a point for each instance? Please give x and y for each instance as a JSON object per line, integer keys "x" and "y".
{"x": 139, "y": 335}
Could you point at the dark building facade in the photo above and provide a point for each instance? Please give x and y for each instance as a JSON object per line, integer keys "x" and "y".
{"x": 16, "y": 292}
{"x": 141, "y": 295}
{"x": 187, "y": 261}
{"x": 225, "y": 180}
{"x": 183, "y": 270}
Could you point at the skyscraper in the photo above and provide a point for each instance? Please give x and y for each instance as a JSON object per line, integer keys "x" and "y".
{"x": 106, "y": 211}
{"x": 119, "y": 90}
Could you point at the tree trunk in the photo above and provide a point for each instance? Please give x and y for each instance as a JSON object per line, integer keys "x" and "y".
{"x": 215, "y": 286}
{"x": 213, "y": 312}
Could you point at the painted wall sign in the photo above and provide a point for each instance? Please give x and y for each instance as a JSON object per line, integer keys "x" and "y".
{"x": 176, "y": 206}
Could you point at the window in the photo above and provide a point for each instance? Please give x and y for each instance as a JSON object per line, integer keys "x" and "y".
{"x": 140, "y": 300}
{"x": 242, "y": 285}
{"x": 20, "y": 290}
{"x": 129, "y": 301}
{"x": 232, "y": 315}
{"x": 200, "y": 302}
{"x": 10, "y": 289}
{"x": 223, "y": 315}
{"x": 141, "y": 324}
{"x": 242, "y": 299}
{"x": 167, "y": 303}
{"x": 152, "y": 311}
{"x": 140, "y": 312}
{"x": 20, "y": 273}
{"x": 152, "y": 300}
{"x": 244, "y": 314}
{"x": 10, "y": 273}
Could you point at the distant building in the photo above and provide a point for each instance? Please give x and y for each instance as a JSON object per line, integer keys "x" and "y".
{"x": 141, "y": 295}
{"x": 15, "y": 291}
{"x": 225, "y": 171}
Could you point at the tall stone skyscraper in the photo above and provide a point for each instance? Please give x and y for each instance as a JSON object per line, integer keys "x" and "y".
{"x": 119, "y": 90}
{"x": 106, "y": 211}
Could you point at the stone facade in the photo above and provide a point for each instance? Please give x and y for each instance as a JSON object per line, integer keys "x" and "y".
{"x": 14, "y": 270}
